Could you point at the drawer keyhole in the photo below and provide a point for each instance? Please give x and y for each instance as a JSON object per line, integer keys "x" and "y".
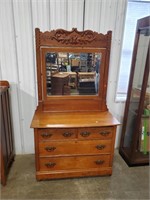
{"x": 49, "y": 149}
{"x": 67, "y": 134}
{"x": 100, "y": 146}
{"x": 99, "y": 162}
{"x": 85, "y": 134}
{"x": 46, "y": 135}
{"x": 50, "y": 164}
{"x": 104, "y": 133}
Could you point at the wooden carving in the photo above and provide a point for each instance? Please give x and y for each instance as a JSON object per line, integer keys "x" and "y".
{"x": 61, "y": 37}
{"x": 74, "y": 37}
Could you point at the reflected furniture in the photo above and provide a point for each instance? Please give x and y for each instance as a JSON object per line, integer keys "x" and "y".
{"x": 60, "y": 83}
{"x": 6, "y": 138}
{"x": 135, "y": 138}
{"x": 74, "y": 133}
{"x": 86, "y": 83}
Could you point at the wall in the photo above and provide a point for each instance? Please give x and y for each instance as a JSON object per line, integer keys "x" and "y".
{"x": 18, "y": 20}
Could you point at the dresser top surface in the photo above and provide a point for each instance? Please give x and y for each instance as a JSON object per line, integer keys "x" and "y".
{"x": 72, "y": 119}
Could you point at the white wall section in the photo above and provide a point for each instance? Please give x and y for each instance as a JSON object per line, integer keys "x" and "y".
{"x": 18, "y": 20}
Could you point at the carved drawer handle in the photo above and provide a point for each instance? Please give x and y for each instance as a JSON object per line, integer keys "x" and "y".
{"x": 67, "y": 134}
{"x": 46, "y": 135}
{"x": 99, "y": 162}
{"x": 100, "y": 146}
{"x": 85, "y": 134}
{"x": 49, "y": 149}
{"x": 50, "y": 164}
{"x": 105, "y": 133}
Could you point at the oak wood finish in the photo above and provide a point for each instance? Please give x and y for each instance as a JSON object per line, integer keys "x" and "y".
{"x": 73, "y": 119}
{"x": 80, "y": 147}
{"x": 74, "y": 135}
{"x": 74, "y": 162}
{"x": 68, "y": 144}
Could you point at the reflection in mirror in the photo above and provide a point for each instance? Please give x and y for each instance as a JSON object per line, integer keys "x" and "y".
{"x": 72, "y": 73}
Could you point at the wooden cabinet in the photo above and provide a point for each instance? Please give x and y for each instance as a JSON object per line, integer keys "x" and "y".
{"x": 135, "y": 145}
{"x": 60, "y": 84}
{"x": 74, "y": 131}
{"x": 6, "y": 139}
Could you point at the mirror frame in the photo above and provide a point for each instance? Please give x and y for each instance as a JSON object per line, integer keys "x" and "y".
{"x": 62, "y": 40}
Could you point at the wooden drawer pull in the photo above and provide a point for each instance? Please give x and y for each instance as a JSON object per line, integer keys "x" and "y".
{"x": 67, "y": 134}
{"x": 104, "y": 133}
{"x": 85, "y": 134}
{"x": 99, "y": 162}
{"x": 46, "y": 135}
{"x": 100, "y": 146}
{"x": 49, "y": 149}
{"x": 50, "y": 164}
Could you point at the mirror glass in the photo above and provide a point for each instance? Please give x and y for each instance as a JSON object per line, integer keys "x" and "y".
{"x": 72, "y": 73}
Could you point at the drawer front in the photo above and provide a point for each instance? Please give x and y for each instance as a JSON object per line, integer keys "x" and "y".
{"x": 70, "y": 163}
{"x": 75, "y": 147}
{"x": 52, "y": 134}
{"x": 95, "y": 133}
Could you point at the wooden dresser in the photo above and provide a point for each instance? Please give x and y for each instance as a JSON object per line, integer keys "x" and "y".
{"x": 74, "y": 134}
{"x": 73, "y": 144}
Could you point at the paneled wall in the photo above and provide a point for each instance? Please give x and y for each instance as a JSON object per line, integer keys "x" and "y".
{"x": 18, "y": 20}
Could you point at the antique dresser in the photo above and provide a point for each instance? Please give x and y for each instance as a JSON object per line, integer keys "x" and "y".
{"x": 74, "y": 132}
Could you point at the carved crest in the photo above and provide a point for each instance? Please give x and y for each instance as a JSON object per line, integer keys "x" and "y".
{"x": 73, "y": 37}
{"x": 61, "y": 37}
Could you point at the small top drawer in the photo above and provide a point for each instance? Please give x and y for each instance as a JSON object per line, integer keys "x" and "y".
{"x": 53, "y": 134}
{"x": 95, "y": 133}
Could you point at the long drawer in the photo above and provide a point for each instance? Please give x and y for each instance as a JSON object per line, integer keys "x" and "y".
{"x": 76, "y": 162}
{"x": 48, "y": 148}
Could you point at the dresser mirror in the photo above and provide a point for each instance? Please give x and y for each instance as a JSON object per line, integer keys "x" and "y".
{"x": 72, "y": 73}
{"x": 72, "y": 68}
